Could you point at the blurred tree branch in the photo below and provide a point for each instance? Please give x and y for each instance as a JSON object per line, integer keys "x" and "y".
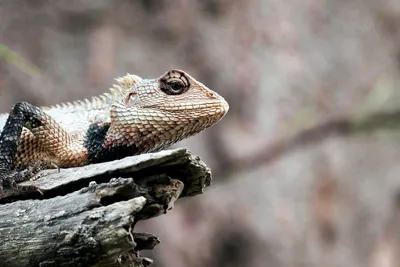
{"x": 337, "y": 127}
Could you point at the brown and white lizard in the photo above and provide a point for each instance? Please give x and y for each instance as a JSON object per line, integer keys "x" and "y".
{"x": 137, "y": 116}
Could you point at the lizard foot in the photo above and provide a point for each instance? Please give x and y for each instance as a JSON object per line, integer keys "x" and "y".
{"x": 10, "y": 178}
{"x": 31, "y": 171}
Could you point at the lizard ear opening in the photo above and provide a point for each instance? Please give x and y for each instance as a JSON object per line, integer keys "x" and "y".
{"x": 131, "y": 99}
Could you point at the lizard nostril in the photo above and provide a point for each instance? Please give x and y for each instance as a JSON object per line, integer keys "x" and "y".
{"x": 211, "y": 95}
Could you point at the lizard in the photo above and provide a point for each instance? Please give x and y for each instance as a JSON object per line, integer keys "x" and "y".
{"x": 136, "y": 116}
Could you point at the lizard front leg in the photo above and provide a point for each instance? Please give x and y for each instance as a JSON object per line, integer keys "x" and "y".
{"x": 48, "y": 134}
{"x": 9, "y": 140}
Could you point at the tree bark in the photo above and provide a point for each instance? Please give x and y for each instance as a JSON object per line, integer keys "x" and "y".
{"x": 85, "y": 216}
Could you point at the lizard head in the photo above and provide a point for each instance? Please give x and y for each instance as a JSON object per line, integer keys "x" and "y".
{"x": 156, "y": 113}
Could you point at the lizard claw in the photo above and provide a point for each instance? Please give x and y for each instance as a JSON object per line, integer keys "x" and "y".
{"x": 49, "y": 164}
{"x": 55, "y": 166}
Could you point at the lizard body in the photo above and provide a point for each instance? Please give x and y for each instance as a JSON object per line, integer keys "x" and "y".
{"x": 137, "y": 116}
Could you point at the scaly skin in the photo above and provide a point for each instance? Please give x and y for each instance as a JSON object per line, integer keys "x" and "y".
{"x": 138, "y": 116}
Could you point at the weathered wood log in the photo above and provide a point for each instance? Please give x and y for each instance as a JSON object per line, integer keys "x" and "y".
{"x": 85, "y": 216}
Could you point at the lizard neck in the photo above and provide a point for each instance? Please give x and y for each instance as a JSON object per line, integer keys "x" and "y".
{"x": 97, "y": 152}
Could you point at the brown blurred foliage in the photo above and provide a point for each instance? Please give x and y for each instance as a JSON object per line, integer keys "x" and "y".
{"x": 284, "y": 67}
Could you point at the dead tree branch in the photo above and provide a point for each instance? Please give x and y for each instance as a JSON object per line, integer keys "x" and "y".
{"x": 86, "y": 215}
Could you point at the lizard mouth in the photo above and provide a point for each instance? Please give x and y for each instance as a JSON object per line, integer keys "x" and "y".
{"x": 214, "y": 110}
{"x": 220, "y": 105}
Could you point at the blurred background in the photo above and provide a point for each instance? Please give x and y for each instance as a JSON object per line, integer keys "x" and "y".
{"x": 293, "y": 184}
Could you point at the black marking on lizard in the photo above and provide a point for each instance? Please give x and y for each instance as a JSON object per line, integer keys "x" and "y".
{"x": 94, "y": 143}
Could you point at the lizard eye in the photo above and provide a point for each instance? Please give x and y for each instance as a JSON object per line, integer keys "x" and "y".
{"x": 177, "y": 87}
{"x": 174, "y": 84}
